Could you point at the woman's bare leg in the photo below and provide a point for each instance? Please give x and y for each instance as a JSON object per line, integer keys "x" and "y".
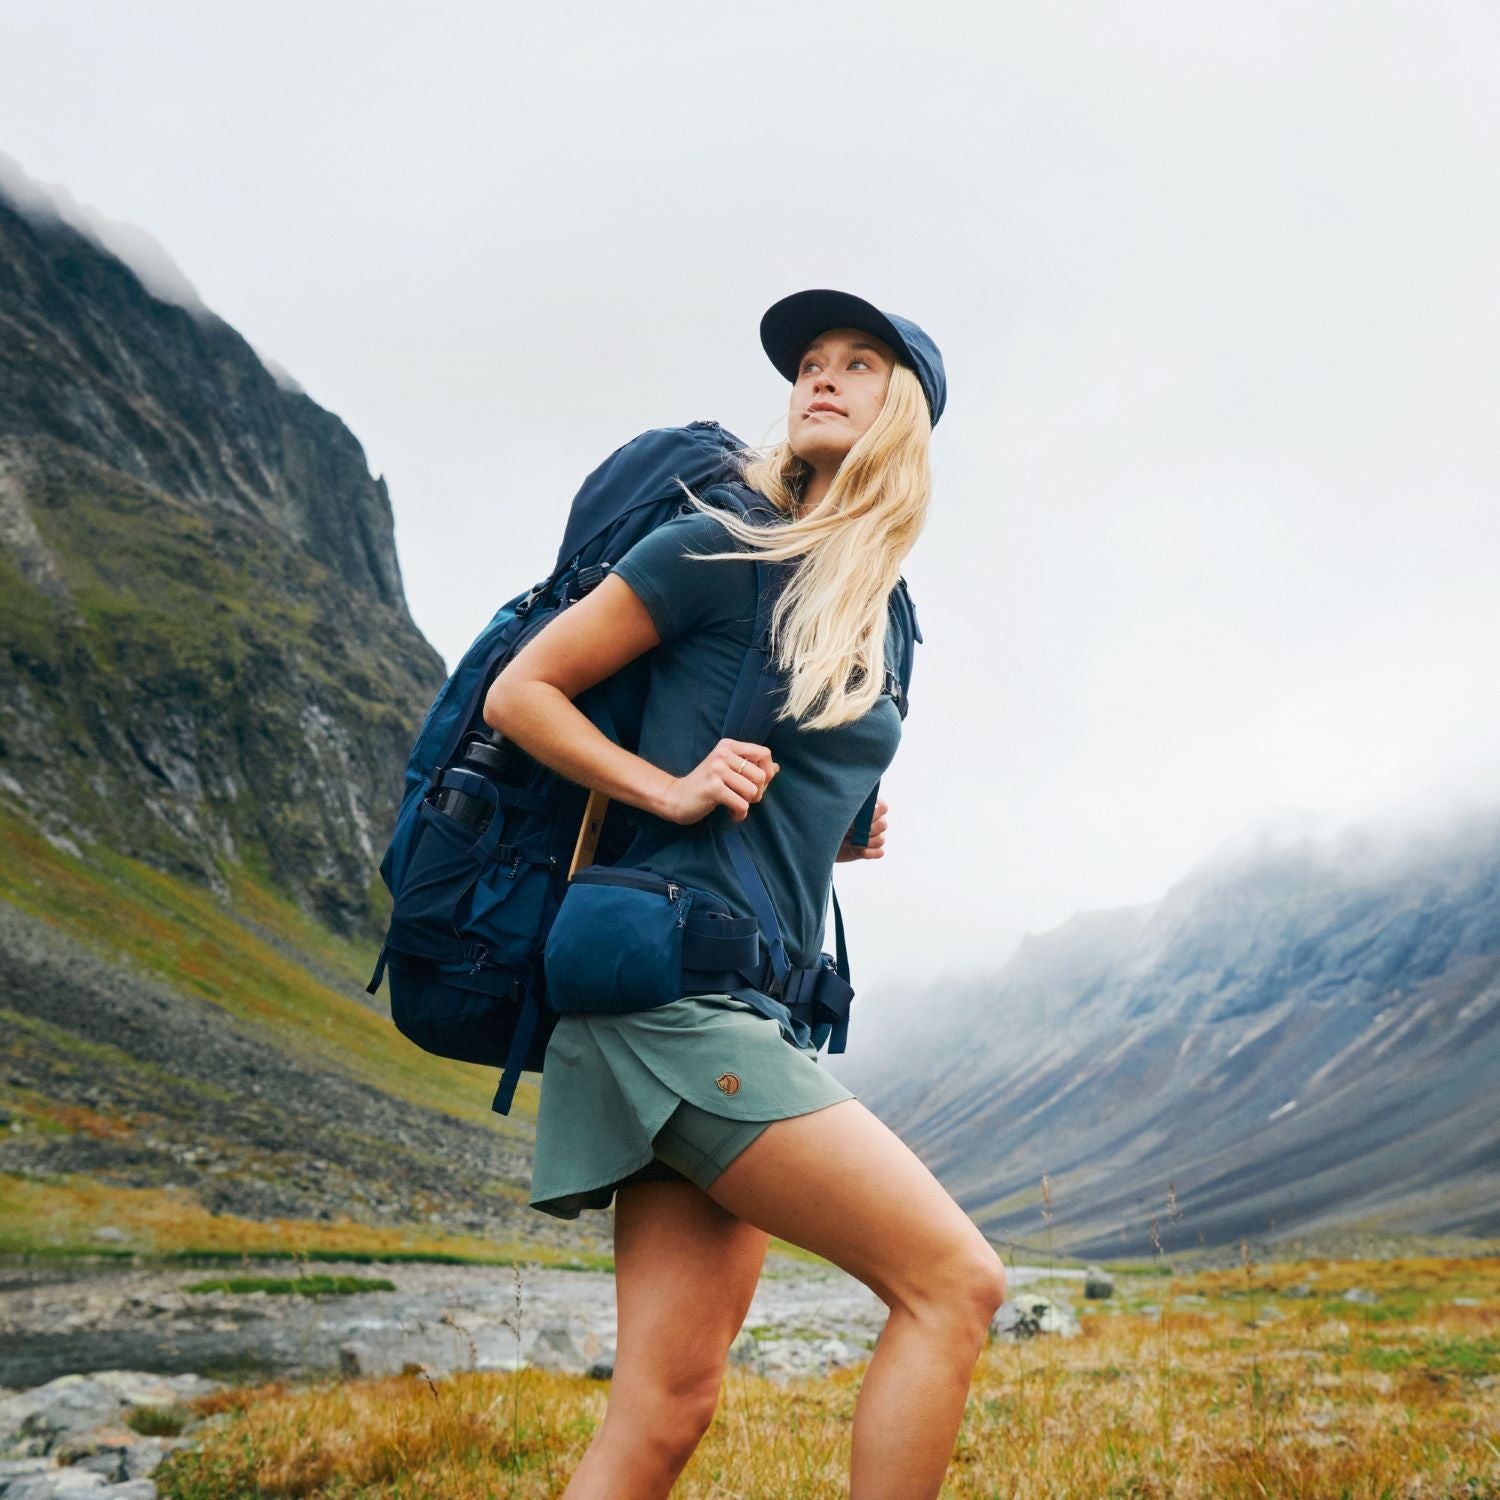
{"x": 840, "y": 1183}
{"x": 685, "y": 1272}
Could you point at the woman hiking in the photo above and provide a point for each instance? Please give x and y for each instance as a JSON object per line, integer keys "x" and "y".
{"x": 709, "y": 1120}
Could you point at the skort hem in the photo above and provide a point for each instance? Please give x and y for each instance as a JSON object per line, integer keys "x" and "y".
{"x": 599, "y": 1195}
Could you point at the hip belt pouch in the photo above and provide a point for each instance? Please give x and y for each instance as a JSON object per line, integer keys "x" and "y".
{"x": 624, "y": 939}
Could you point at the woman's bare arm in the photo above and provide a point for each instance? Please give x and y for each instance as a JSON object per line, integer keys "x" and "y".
{"x": 531, "y": 702}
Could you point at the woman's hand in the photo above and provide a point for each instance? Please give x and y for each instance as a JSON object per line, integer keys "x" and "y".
{"x": 875, "y": 849}
{"x": 734, "y": 773}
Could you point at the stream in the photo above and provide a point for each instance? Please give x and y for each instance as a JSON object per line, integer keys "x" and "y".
{"x": 73, "y": 1318}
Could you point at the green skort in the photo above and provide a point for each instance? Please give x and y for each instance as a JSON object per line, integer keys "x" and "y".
{"x": 673, "y": 1093}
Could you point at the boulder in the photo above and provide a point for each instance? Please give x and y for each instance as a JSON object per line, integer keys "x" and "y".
{"x": 58, "y": 1482}
{"x": 1098, "y": 1283}
{"x": 37, "y": 1420}
{"x": 13, "y": 1470}
{"x": 1026, "y": 1315}
{"x": 555, "y": 1347}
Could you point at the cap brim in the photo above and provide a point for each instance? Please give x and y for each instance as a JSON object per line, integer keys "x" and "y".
{"x": 790, "y": 325}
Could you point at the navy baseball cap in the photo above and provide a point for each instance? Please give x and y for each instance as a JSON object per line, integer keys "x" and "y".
{"x": 789, "y": 326}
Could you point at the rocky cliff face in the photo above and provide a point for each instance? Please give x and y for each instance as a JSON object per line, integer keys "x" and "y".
{"x": 208, "y": 657}
{"x": 1293, "y": 1039}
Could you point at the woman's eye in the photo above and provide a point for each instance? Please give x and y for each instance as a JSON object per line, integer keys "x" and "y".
{"x": 858, "y": 359}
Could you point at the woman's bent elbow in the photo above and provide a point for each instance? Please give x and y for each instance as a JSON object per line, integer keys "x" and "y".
{"x": 496, "y": 705}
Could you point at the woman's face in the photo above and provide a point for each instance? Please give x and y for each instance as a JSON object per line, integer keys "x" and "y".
{"x": 838, "y": 393}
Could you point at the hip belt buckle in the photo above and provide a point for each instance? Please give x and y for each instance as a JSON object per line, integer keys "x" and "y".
{"x": 818, "y": 993}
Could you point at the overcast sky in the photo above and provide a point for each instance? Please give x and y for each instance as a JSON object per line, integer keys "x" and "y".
{"x": 1215, "y": 529}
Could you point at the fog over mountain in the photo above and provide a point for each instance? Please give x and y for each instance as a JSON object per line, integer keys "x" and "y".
{"x": 1298, "y": 1034}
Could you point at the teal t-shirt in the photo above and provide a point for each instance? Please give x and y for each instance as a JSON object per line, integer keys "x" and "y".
{"x": 704, "y": 613}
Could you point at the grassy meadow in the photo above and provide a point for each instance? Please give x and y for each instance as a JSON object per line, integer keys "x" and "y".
{"x": 1217, "y": 1384}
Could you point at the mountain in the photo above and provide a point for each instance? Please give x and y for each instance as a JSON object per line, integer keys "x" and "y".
{"x": 209, "y": 659}
{"x": 209, "y": 684}
{"x": 1294, "y": 1037}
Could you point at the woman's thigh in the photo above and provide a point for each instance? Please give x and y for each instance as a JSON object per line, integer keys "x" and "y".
{"x": 685, "y": 1272}
{"x": 839, "y": 1182}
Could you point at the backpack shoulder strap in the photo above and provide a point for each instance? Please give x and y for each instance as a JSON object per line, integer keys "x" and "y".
{"x": 748, "y": 717}
{"x": 903, "y": 619}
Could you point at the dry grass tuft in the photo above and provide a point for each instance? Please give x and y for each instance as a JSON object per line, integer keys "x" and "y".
{"x": 470, "y": 1436}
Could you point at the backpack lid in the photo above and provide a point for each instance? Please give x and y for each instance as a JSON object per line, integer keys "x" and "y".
{"x": 644, "y": 470}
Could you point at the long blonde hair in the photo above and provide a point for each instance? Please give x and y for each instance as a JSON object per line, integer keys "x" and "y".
{"x": 828, "y": 627}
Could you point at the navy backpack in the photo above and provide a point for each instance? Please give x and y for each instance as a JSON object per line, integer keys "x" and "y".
{"x": 478, "y": 862}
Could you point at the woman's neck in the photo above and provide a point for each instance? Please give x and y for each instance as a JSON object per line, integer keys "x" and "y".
{"x": 813, "y": 489}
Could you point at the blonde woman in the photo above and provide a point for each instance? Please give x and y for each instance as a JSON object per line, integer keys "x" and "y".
{"x": 709, "y": 1119}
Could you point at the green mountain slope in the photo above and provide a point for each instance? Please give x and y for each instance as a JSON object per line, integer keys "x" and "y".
{"x": 209, "y": 683}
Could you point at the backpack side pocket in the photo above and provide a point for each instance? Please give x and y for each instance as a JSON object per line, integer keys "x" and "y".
{"x": 444, "y": 862}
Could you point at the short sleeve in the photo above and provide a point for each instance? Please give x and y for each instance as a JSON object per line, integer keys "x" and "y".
{"x": 680, "y": 594}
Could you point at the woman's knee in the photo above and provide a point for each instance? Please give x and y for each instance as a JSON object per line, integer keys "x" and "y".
{"x": 990, "y": 1284}
{"x": 967, "y": 1285}
{"x": 671, "y": 1416}
{"x": 680, "y": 1424}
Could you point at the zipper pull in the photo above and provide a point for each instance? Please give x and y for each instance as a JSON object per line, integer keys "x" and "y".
{"x": 479, "y": 959}
{"x": 673, "y": 890}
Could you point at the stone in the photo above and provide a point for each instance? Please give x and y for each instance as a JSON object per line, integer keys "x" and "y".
{"x": 18, "y": 1468}
{"x": 110, "y": 1462}
{"x": 354, "y": 1360}
{"x": 142, "y": 1388}
{"x": 72, "y": 1404}
{"x": 782, "y": 1359}
{"x": 1361, "y": 1295}
{"x": 837, "y": 1353}
{"x": 79, "y": 1481}
{"x": 1027, "y": 1314}
{"x": 16, "y": 1410}
{"x": 50, "y": 1482}
{"x": 1098, "y": 1283}
{"x": 555, "y": 1348}
{"x": 145, "y": 1457}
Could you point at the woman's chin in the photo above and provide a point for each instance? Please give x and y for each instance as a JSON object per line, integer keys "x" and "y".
{"x": 821, "y": 455}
